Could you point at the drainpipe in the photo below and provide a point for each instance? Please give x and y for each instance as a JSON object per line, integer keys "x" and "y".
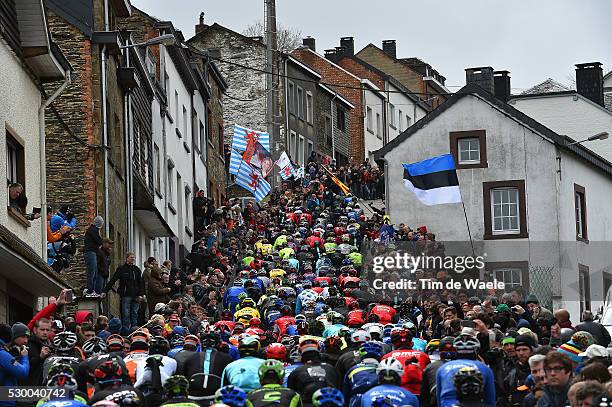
{"x": 287, "y": 131}
{"x": 164, "y": 162}
{"x": 129, "y": 173}
{"x": 105, "y": 124}
{"x": 331, "y": 105}
{"x": 43, "y": 161}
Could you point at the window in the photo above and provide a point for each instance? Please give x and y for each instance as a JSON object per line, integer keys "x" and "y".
{"x": 179, "y": 200}
{"x": 300, "y": 152}
{"x": 369, "y": 119}
{"x": 469, "y": 148}
{"x": 166, "y": 84}
{"x": 392, "y": 115}
{"x": 176, "y": 108}
{"x": 300, "y": 103}
{"x": 188, "y": 206}
{"x": 505, "y": 210}
{"x": 151, "y": 67}
{"x": 196, "y": 141}
{"x": 378, "y": 126}
{"x": 146, "y": 162}
{"x": 209, "y": 134}
{"x": 117, "y": 145}
{"x": 309, "y": 150}
{"x": 293, "y": 146}
{"x": 584, "y": 288}
{"x": 170, "y": 183}
{"x": 291, "y": 97}
{"x": 157, "y": 166}
{"x": 328, "y": 131}
{"x": 309, "y": 108}
{"x": 408, "y": 121}
{"x": 185, "y": 123}
{"x": 15, "y": 167}
{"x": 401, "y": 121}
{"x": 220, "y": 132}
{"x": 203, "y": 145}
{"x": 512, "y": 278}
{"x": 581, "y": 213}
{"x": 341, "y": 119}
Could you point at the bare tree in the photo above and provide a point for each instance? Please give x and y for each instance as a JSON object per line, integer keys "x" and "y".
{"x": 288, "y": 38}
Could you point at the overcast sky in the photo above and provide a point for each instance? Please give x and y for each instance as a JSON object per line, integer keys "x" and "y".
{"x": 533, "y": 39}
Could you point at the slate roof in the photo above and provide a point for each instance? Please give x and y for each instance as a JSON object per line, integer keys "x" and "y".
{"x": 608, "y": 101}
{"x": 548, "y": 86}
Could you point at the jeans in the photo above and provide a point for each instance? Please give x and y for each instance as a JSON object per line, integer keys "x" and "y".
{"x": 365, "y": 192}
{"x": 95, "y": 282}
{"x": 129, "y": 312}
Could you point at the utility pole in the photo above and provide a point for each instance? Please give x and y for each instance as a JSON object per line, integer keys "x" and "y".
{"x": 272, "y": 81}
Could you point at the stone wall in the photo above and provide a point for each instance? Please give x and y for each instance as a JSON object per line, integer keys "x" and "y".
{"x": 217, "y": 179}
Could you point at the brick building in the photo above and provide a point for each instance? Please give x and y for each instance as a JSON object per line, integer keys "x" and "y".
{"x": 416, "y": 75}
{"x": 89, "y": 115}
{"x": 350, "y": 89}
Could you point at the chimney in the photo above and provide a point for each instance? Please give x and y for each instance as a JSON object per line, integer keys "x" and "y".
{"x": 348, "y": 43}
{"x": 310, "y": 43}
{"x": 482, "y": 76}
{"x": 390, "y": 48}
{"x": 589, "y": 81}
{"x": 501, "y": 81}
{"x": 330, "y": 54}
{"x": 340, "y": 53}
{"x": 200, "y": 27}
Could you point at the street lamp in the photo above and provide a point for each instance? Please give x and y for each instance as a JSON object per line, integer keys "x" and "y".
{"x": 166, "y": 39}
{"x": 599, "y": 136}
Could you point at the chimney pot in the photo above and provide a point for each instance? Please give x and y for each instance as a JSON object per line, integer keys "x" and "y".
{"x": 330, "y": 54}
{"x": 390, "y": 48}
{"x": 200, "y": 27}
{"x": 589, "y": 81}
{"x": 501, "y": 82}
{"x": 481, "y": 76}
{"x": 202, "y": 17}
{"x": 310, "y": 43}
{"x": 348, "y": 43}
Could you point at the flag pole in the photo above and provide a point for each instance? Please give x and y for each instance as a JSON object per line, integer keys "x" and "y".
{"x": 468, "y": 226}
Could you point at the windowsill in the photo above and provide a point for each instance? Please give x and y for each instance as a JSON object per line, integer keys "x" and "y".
{"x": 186, "y": 147}
{"x": 178, "y": 132}
{"x": 393, "y": 126}
{"x": 159, "y": 195}
{"x": 582, "y": 239}
{"x": 188, "y": 231}
{"x": 370, "y": 131}
{"x": 472, "y": 165}
{"x": 171, "y": 208}
{"x": 379, "y": 137}
{"x": 19, "y": 217}
{"x": 506, "y": 236}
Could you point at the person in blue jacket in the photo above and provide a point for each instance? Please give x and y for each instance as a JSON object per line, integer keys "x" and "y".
{"x": 467, "y": 348}
{"x": 390, "y": 372}
{"x": 244, "y": 372}
{"x": 231, "y": 298}
{"x": 63, "y": 217}
{"x": 12, "y": 369}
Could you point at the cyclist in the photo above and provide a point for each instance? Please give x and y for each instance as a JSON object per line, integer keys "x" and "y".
{"x": 244, "y": 371}
{"x": 390, "y": 372}
{"x": 271, "y": 376}
{"x": 176, "y": 390}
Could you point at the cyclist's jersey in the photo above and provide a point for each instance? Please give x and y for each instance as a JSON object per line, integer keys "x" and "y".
{"x": 84, "y": 373}
{"x": 397, "y": 395}
{"x": 359, "y": 379}
{"x": 282, "y": 239}
{"x": 445, "y": 388}
{"x": 356, "y": 258}
{"x": 131, "y": 362}
{"x": 273, "y": 395}
{"x": 286, "y": 253}
{"x": 143, "y": 373}
{"x": 385, "y": 313}
{"x": 288, "y": 370}
{"x": 243, "y": 373}
{"x": 332, "y": 330}
{"x": 411, "y": 380}
{"x": 247, "y": 260}
{"x": 62, "y": 403}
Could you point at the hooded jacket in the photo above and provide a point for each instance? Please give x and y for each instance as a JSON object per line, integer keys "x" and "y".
{"x": 156, "y": 290}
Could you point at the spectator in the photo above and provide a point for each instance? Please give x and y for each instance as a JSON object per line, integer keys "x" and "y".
{"x": 558, "y": 368}
{"x": 93, "y": 243}
{"x": 156, "y": 290}
{"x": 131, "y": 290}
{"x": 39, "y": 349}
{"x": 12, "y": 368}
{"x": 599, "y": 332}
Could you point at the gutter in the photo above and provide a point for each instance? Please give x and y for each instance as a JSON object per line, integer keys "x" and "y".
{"x": 43, "y": 161}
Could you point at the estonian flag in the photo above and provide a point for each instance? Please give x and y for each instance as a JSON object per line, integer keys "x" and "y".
{"x": 433, "y": 181}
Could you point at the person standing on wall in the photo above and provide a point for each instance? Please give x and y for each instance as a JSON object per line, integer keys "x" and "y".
{"x": 93, "y": 242}
{"x": 131, "y": 290}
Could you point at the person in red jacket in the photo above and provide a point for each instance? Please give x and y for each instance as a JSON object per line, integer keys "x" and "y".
{"x": 49, "y": 310}
{"x": 414, "y": 361}
{"x": 281, "y": 324}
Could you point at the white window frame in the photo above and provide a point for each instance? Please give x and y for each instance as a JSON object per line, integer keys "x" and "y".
{"x": 369, "y": 119}
{"x": 309, "y": 107}
{"x": 170, "y": 182}
{"x": 176, "y": 108}
{"x": 11, "y": 163}
{"x": 293, "y": 145}
{"x": 401, "y": 121}
{"x": 392, "y": 115}
{"x": 309, "y": 149}
{"x": 470, "y": 142}
{"x": 510, "y": 283}
{"x": 291, "y": 97}
{"x": 300, "y": 103}
{"x": 502, "y": 205}
{"x": 203, "y": 143}
{"x": 185, "y": 123}
{"x": 157, "y": 167}
{"x": 301, "y": 150}
{"x": 378, "y": 126}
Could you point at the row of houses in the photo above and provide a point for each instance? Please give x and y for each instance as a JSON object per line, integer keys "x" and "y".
{"x": 105, "y": 109}
{"x": 535, "y": 174}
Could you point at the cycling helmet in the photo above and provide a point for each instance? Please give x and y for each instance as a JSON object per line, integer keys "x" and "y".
{"x": 328, "y": 397}
{"x": 114, "y": 343}
{"x": 191, "y": 342}
{"x": 286, "y": 310}
{"x": 247, "y": 302}
{"x": 400, "y": 336}
{"x": 390, "y": 370}
{"x": 101, "y": 403}
{"x": 300, "y": 317}
{"x": 231, "y": 395}
{"x": 371, "y": 349}
{"x": 468, "y": 382}
{"x": 140, "y": 341}
{"x": 276, "y": 351}
{"x": 360, "y": 336}
{"x": 60, "y": 368}
{"x": 466, "y": 345}
{"x": 108, "y": 372}
{"x": 308, "y": 345}
{"x": 432, "y": 346}
{"x": 176, "y": 386}
{"x": 248, "y": 345}
{"x": 210, "y": 339}
{"x": 446, "y": 348}
{"x": 273, "y": 368}
{"x": 94, "y": 346}
{"x": 176, "y": 340}
{"x": 302, "y": 327}
{"x": 375, "y": 331}
{"x": 566, "y": 334}
{"x": 65, "y": 341}
{"x": 254, "y": 322}
{"x": 158, "y": 345}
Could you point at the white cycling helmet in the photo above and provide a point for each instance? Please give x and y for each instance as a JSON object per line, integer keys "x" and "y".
{"x": 65, "y": 341}
{"x": 360, "y": 335}
{"x": 389, "y": 367}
